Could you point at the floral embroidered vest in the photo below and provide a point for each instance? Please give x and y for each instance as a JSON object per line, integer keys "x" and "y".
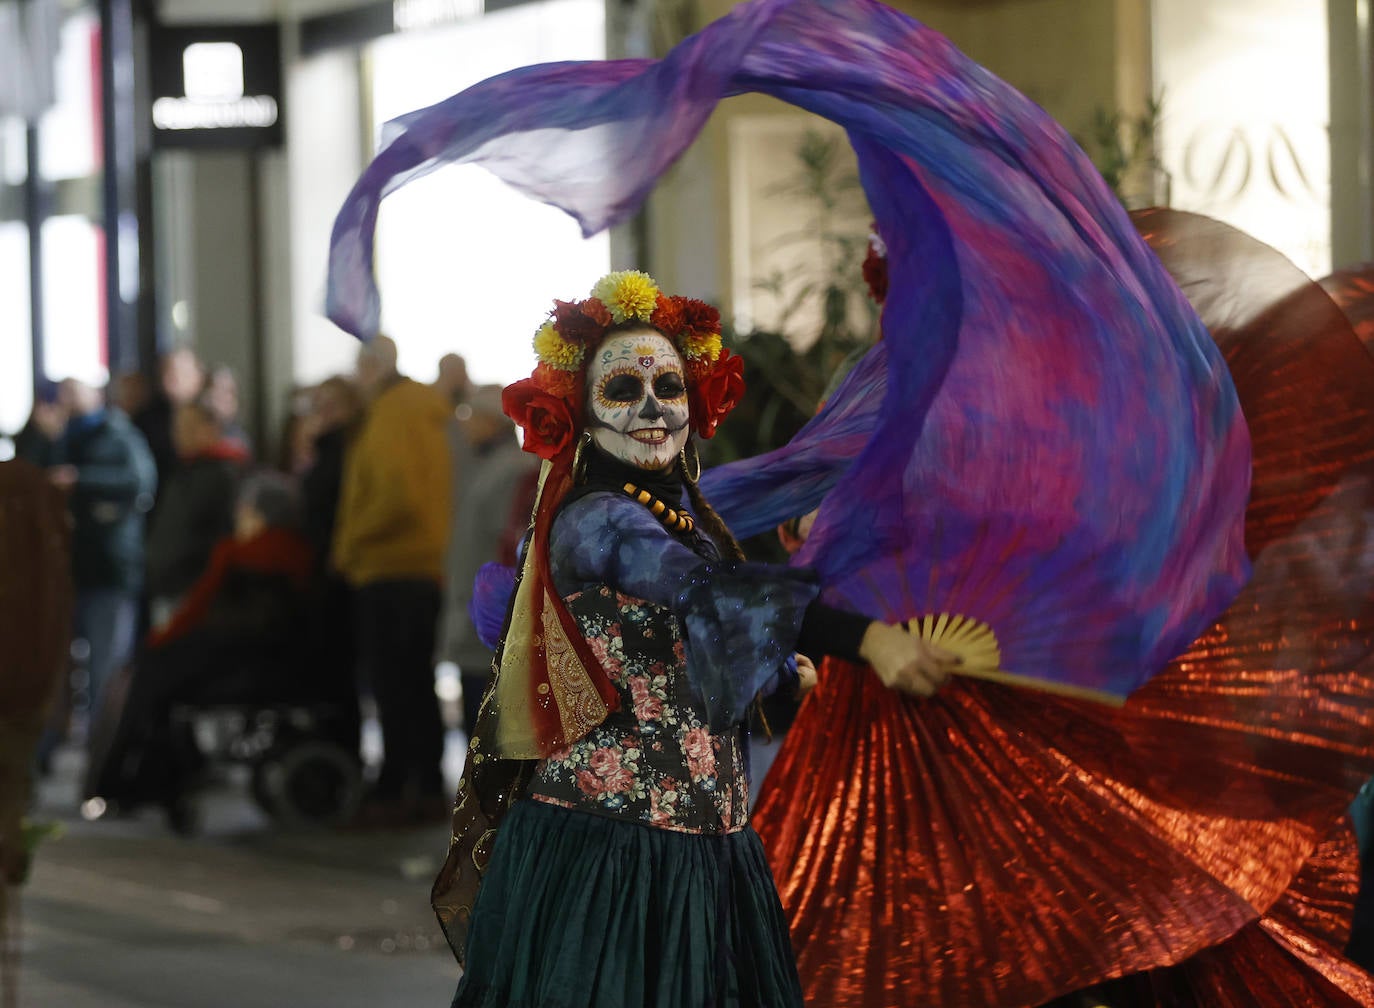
{"x": 653, "y": 760}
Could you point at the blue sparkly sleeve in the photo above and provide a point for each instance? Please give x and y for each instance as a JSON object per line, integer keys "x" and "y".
{"x": 741, "y": 621}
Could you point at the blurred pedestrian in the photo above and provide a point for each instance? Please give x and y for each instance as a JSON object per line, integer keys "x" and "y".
{"x": 47, "y": 420}
{"x": 222, "y": 396}
{"x": 335, "y": 407}
{"x": 181, "y": 378}
{"x": 495, "y": 482}
{"x": 389, "y": 544}
{"x": 196, "y": 508}
{"x": 295, "y": 441}
{"x": 453, "y": 383}
{"x": 103, "y": 463}
{"x": 130, "y": 392}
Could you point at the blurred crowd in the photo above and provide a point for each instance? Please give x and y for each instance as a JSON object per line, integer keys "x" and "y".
{"x": 335, "y": 568}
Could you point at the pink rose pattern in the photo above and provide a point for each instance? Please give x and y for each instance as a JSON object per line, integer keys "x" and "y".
{"x": 653, "y": 760}
{"x": 609, "y": 651}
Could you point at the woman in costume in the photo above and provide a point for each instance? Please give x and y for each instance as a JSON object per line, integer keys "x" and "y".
{"x": 625, "y": 872}
{"x": 1046, "y": 443}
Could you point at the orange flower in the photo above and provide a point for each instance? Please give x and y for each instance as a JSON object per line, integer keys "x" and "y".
{"x": 555, "y": 381}
{"x": 668, "y": 317}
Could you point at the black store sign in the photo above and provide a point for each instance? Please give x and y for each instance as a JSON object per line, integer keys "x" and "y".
{"x": 217, "y": 86}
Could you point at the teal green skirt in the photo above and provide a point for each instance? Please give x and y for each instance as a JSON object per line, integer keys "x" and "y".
{"x": 584, "y": 911}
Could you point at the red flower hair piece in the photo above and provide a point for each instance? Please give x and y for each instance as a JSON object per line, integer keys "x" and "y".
{"x": 548, "y": 421}
{"x": 716, "y": 393}
{"x": 582, "y": 322}
{"x": 699, "y": 318}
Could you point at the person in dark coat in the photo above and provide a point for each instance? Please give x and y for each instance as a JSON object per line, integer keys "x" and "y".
{"x": 336, "y": 405}
{"x": 181, "y": 379}
{"x": 103, "y": 463}
{"x": 47, "y": 420}
{"x": 196, "y": 508}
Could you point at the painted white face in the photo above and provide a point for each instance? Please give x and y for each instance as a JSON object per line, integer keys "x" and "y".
{"x": 637, "y": 399}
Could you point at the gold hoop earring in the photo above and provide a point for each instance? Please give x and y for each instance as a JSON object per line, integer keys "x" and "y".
{"x": 691, "y": 471}
{"x": 579, "y": 465}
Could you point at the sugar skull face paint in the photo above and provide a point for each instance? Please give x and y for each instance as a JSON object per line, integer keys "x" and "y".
{"x": 637, "y": 399}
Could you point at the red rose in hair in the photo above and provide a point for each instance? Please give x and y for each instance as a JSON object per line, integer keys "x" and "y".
{"x": 580, "y": 321}
{"x": 701, "y": 318}
{"x": 714, "y": 395}
{"x": 546, "y": 420}
{"x": 667, "y": 316}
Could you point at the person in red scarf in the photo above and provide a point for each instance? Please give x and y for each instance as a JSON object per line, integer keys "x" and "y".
{"x": 240, "y": 632}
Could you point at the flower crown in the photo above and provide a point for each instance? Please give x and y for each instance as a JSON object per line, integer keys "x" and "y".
{"x": 714, "y": 376}
{"x": 573, "y": 327}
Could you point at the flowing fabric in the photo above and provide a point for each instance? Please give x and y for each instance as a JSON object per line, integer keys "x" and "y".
{"x": 995, "y": 848}
{"x": 1046, "y": 438}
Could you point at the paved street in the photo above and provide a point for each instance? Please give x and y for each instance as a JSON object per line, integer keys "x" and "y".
{"x": 125, "y": 915}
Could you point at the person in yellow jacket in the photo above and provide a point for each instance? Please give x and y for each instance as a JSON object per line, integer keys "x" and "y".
{"x": 389, "y": 543}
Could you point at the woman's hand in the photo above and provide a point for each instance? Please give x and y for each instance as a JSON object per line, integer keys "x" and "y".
{"x": 806, "y": 676}
{"x": 905, "y": 662}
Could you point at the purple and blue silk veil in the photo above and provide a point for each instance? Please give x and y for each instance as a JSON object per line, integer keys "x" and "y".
{"x": 1045, "y": 439}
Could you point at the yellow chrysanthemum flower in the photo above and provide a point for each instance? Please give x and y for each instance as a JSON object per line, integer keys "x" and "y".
{"x": 555, "y": 351}
{"x": 627, "y": 294}
{"x": 702, "y": 347}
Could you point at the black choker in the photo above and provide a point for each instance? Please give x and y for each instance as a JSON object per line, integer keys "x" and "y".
{"x": 673, "y": 520}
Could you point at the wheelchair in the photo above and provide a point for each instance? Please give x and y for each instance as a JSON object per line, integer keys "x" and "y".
{"x": 281, "y": 703}
{"x": 303, "y": 759}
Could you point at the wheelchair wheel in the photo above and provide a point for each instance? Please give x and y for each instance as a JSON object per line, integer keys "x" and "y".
{"x": 309, "y": 783}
